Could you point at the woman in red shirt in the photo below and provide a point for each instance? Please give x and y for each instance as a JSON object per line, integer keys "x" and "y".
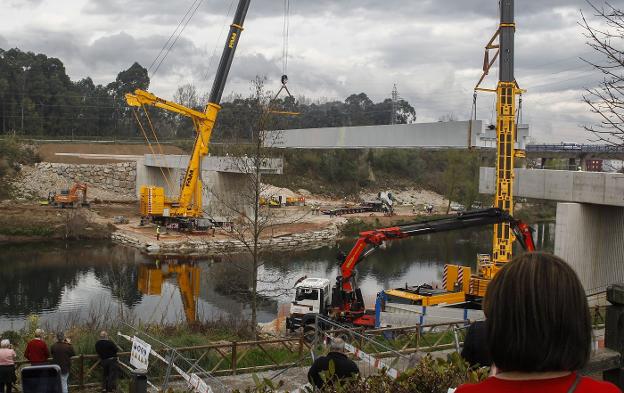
{"x": 538, "y": 330}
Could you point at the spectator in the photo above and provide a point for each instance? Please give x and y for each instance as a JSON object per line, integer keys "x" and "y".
{"x": 36, "y": 349}
{"x": 7, "y": 366}
{"x": 538, "y": 329}
{"x": 475, "y": 345}
{"x": 343, "y": 366}
{"x": 107, "y": 351}
{"x": 62, "y": 352}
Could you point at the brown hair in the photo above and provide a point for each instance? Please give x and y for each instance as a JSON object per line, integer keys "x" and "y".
{"x": 538, "y": 318}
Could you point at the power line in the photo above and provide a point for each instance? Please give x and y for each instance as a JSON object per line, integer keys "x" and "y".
{"x": 171, "y": 36}
{"x": 199, "y": 3}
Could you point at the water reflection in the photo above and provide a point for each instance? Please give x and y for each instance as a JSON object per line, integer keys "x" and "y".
{"x": 79, "y": 281}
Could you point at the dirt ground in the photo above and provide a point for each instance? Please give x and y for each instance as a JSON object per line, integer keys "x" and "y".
{"x": 47, "y": 151}
{"x": 30, "y": 221}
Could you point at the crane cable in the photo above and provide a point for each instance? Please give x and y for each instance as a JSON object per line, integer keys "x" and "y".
{"x": 285, "y": 33}
{"x": 179, "y": 29}
{"x": 164, "y": 47}
{"x": 284, "y": 78}
{"x": 149, "y": 144}
{"x": 162, "y": 153}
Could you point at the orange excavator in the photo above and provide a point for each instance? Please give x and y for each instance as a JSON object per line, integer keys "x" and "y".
{"x": 151, "y": 277}
{"x": 74, "y": 197}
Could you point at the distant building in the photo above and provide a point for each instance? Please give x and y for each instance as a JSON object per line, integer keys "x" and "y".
{"x": 594, "y": 165}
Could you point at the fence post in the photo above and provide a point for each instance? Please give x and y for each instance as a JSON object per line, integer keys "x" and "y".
{"x": 234, "y": 356}
{"x": 81, "y": 372}
{"x": 614, "y": 335}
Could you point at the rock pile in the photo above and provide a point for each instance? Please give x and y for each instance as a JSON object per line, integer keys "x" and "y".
{"x": 209, "y": 246}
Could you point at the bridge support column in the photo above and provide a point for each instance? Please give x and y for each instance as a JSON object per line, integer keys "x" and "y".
{"x": 589, "y": 237}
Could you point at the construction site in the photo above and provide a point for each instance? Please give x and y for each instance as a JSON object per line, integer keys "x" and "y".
{"x": 298, "y": 232}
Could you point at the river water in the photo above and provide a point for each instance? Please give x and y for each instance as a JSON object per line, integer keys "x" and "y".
{"x": 63, "y": 284}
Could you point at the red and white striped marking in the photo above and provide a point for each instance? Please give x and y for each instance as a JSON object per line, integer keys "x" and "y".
{"x": 460, "y": 275}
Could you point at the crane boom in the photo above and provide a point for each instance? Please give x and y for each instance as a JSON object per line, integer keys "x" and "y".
{"x": 189, "y": 201}
{"x": 369, "y": 241}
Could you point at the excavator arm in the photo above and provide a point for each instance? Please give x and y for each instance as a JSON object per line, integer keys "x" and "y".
{"x": 370, "y": 241}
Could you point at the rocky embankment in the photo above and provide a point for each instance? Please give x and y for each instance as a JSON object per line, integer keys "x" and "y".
{"x": 220, "y": 246}
{"x": 107, "y": 182}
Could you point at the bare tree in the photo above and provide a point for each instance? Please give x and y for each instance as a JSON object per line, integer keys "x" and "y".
{"x": 253, "y": 221}
{"x": 607, "y": 100}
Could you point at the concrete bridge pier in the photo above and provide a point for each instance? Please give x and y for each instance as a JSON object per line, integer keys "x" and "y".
{"x": 589, "y": 238}
{"x": 590, "y": 218}
{"x": 226, "y": 186}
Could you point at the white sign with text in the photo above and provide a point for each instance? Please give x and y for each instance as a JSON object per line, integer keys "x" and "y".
{"x": 139, "y": 357}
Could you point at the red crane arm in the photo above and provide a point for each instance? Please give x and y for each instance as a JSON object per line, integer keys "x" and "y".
{"x": 369, "y": 241}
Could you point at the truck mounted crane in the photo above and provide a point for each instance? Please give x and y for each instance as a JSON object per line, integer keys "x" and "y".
{"x": 187, "y": 206}
{"x": 344, "y": 302}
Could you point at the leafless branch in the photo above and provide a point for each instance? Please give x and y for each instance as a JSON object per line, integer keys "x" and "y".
{"x": 606, "y": 100}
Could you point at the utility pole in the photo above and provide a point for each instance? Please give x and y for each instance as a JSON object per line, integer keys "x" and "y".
{"x": 25, "y": 69}
{"x": 395, "y": 105}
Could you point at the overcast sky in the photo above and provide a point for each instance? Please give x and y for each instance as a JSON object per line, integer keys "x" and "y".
{"x": 432, "y": 50}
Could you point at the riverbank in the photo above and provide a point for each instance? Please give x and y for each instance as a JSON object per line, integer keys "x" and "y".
{"x": 22, "y": 222}
{"x": 224, "y": 242}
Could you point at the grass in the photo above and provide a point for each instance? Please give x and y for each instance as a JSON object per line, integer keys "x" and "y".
{"x": 26, "y": 231}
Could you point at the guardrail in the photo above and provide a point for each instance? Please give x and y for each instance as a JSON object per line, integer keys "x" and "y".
{"x": 574, "y": 148}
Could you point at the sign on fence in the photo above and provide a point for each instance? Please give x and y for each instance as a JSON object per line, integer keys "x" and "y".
{"x": 193, "y": 381}
{"x": 139, "y": 357}
{"x": 203, "y": 387}
{"x": 198, "y": 385}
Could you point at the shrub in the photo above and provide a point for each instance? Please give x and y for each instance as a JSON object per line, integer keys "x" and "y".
{"x": 428, "y": 376}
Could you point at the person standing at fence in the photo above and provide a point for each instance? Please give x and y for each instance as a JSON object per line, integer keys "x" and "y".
{"x": 344, "y": 368}
{"x": 538, "y": 329}
{"x": 107, "y": 351}
{"x": 7, "y": 366}
{"x": 475, "y": 349}
{"x": 37, "y": 350}
{"x": 62, "y": 352}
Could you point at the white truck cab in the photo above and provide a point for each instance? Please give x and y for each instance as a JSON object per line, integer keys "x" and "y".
{"x": 313, "y": 296}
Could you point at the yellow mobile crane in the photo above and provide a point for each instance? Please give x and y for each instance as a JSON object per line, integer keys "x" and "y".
{"x": 187, "y": 206}
{"x": 507, "y": 92}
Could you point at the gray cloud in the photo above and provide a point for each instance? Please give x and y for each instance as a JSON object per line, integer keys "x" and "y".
{"x": 431, "y": 48}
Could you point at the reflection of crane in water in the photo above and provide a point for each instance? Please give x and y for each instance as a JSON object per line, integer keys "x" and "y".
{"x": 151, "y": 277}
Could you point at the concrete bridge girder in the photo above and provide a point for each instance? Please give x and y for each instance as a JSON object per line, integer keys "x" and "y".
{"x": 563, "y": 186}
{"x": 439, "y": 135}
{"x": 590, "y": 218}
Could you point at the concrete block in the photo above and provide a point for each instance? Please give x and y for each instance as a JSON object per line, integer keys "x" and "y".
{"x": 487, "y": 183}
{"x": 614, "y": 190}
{"x": 532, "y": 184}
{"x": 558, "y": 185}
{"x": 588, "y": 187}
